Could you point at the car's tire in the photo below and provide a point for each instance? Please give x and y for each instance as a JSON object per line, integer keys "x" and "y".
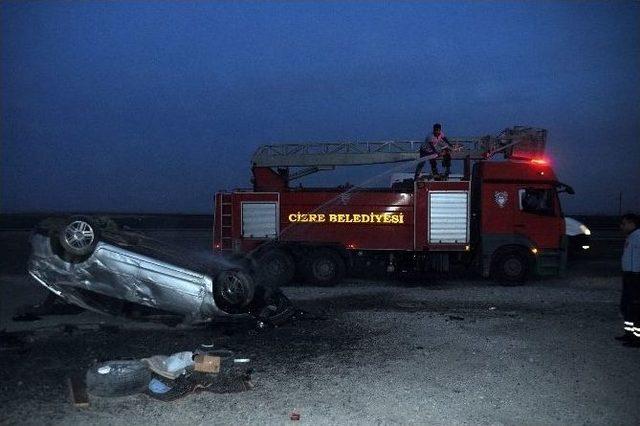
{"x": 275, "y": 267}
{"x": 511, "y": 268}
{"x": 118, "y": 378}
{"x": 78, "y": 236}
{"x": 324, "y": 267}
{"x": 233, "y": 289}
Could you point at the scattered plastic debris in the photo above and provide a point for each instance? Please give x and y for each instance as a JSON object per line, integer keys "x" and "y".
{"x": 117, "y": 378}
{"x": 171, "y": 366}
{"x": 156, "y": 386}
{"x": 168, "y": 378}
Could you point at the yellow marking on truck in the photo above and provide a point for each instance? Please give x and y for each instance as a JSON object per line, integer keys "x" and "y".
{"x": 375, "y": 218}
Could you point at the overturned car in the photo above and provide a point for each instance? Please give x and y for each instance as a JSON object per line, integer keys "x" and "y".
{"x": 92, "y": 263}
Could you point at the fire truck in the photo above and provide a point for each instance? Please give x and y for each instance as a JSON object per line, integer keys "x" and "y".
{"x": 500, "y": 216}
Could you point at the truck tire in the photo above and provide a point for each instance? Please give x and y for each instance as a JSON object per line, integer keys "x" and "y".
{"x": 510, "y": 268}
{"x": 117, "y": 378}
{"x": 78, "y": 236}
{"x": 275, "y": 267}
{"x": 324, "y": 267}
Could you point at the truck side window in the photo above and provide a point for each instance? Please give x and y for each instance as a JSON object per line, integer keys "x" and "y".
{"x": 537, "y": 201}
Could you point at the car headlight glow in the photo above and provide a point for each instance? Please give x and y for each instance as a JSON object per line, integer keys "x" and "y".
{"x": 585, "y": 230}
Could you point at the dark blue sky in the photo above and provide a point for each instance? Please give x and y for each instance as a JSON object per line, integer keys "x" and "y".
{"x": 152, "y": 107}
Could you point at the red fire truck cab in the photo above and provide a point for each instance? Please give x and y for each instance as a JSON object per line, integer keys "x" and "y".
{"x": 502, "y": 217}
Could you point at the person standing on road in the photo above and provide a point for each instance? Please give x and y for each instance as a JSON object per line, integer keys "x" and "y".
{"x": 630, "y": 300}
{"x": 431, "y": 148}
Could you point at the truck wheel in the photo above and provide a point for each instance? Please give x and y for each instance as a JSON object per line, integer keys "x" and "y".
{"x": 510, "y": 268}
{"x": 275, "y": 267}
{"x": 78, "y": 236}
{"x": 233, "y": 289}
{"x": 324, "y": 267}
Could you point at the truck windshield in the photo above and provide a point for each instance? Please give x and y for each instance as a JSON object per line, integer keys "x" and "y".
{"x": 537, "y": 200}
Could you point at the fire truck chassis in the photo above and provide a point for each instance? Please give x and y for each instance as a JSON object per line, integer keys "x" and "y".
{"x": 501, "y": 219}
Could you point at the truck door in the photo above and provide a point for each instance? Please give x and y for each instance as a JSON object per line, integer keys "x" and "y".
{"x": 537, "y": 216}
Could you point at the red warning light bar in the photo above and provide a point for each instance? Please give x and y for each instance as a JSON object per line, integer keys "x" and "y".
{"x": 540, "y": 161}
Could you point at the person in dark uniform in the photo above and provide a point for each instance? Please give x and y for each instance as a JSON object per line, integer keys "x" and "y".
{"x": 431, "y": 148}
{"x": 630, "y": 300}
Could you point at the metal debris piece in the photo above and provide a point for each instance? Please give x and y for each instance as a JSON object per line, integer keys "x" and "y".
{"x": 294, "y": 415}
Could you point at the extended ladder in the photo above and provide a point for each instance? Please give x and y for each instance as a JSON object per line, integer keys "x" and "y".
{"x": 513, "y": 142}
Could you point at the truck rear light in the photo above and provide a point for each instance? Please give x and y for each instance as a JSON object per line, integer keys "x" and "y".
{"x": 467, "y": 247}
{"x": 539, "y": 161}
{"x": 534, "y": 250}
{"x": 351, "y": 246}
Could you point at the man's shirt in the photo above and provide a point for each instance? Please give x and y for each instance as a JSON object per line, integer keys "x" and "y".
{"x": 439, "y": 142}
{"x": 433, "y": 145}
{"x": 631, "y": 252}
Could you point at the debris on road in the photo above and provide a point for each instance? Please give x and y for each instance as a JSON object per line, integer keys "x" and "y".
{"x": 118, "y": 378}
{"x": 169, "y": 390}
{"x": 171, "y": 366}
{"x": 78, "y": 391}
{"x": 207, "y": 363}
{"x": 294, "y": 415}
{"x": 167, "y": 378}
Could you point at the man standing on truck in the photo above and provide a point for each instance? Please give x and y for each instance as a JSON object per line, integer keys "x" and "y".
{"x": 630, "y": 301}
{"x": 431, "y": 148}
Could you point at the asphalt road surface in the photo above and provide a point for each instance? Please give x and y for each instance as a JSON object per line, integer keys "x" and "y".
{"x": 425, "y": 351}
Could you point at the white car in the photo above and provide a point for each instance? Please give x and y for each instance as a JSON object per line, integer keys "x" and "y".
{"x": 578, "y": 234}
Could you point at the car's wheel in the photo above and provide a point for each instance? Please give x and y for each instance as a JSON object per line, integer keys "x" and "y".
{"x": 324, "y": 267}
{"x": 511, "y": 268}
{"x": 275, "y": 267}
{"x": 78, "y": 236}
{"x": 234, "y": 289}
{"x": 117, "y": 378}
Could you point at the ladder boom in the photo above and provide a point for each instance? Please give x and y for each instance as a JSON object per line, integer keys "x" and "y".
{"x": 363, "y": 153}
